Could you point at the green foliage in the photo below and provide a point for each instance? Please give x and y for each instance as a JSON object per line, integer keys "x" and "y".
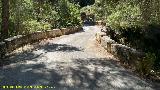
{"x": 145, "y": 66}
{"x": 33, "y": 25}
{"x": 124, "y": 16}
{"x": 130, "y": 22}
{"x": 28, "y": 16}
{"x": 83, "y": 3}
{"x": 88, "y": 9}
{"x": 128, "y": 13}
{"x": 69, "y": 14}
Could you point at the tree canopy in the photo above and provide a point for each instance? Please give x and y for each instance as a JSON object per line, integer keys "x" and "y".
{"x": 26, "y": 16}
{"x": 83, "y": 3}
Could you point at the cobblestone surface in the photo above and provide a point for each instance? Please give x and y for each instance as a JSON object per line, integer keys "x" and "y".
{"x": 70, "y": 62}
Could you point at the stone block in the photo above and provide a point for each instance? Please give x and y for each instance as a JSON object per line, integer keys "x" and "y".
{"x": 36, "y": 36}
{"x": 71, "y": 30}
{"x": 65, "y": 31}
{"x": 57, "y": 32}
{"x": 50, "y": 34}
{"x": 126, "y": 54}
{"x": 122, "y": 52}
{"x": 106, "y": 43}
{"x": 13, "y": 42}
{"x": 77, "y": 29}
{"x": 20, "y": 40}
{"x": 98, "y": 38}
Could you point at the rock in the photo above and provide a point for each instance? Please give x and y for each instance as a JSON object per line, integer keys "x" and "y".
{"x": 20, "y": 40}
{"x": 98, "y": 38}
{"x": 57, "y": 32}
{"x": 65, "y": 31}
{"x": 13, "y": 42}
{"x": 70, "y": 30}
{"x": 39, "y": 35}
{"x": 79, "y": 28}
{"x": 99, "y": 35}
{"x": 120, "y": 51}
{"x": 53, "y": 33}
{"x": 106, "y": 43}
{"x": 126, "y": 54}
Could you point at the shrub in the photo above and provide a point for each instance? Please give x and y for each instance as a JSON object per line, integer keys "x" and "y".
{"x": 124, "y": 16}
{"x": 33, "y": 25}
{"x": 145, "y": 66}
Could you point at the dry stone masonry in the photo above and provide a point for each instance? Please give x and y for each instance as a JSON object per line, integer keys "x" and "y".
{"x": 12, "y": 43}
{"x": 126, "y": 54}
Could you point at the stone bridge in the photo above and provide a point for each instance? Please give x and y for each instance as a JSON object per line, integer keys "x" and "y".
{"x": 69, "y": 62}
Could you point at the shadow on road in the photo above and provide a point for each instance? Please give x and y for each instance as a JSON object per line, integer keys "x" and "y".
{"x": 50, "y": 47}
{"x": 38, "y": 52}
{"x": 91, "y": 73}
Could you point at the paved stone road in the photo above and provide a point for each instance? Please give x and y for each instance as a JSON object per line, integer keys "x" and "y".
{"x": 70, "y": 62}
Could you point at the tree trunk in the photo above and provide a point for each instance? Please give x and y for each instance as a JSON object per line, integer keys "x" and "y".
{"x": 5, "y": 19}
{"x": 146, "y": 12}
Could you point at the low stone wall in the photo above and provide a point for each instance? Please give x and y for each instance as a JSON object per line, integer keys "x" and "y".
{"x": 12, "y": 43}
{"x": 53, "y": 33}
{"x": 126, "y": 54}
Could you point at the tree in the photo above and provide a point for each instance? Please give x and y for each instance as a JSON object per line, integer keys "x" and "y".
{"x": 5, "y": 18}
{"x": 83, "y": 3}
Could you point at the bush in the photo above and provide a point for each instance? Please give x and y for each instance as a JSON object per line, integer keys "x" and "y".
{"x": 33, "y": 25}
{"x": 27, "y": 16}
{"x": 68, "y": 14}
{"x": 136, "y": 24}
{"x": 145, "y": 66}
{"x": 124, "y": 16}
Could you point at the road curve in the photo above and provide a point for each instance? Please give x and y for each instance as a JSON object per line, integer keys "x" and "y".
{"x": 70, "y": 62}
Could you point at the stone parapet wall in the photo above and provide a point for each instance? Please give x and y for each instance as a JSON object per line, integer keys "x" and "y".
{"x": 126, "y": 54}
{"x": 12, "y": 43}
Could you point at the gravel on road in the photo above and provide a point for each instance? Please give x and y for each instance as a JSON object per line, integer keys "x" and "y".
{"x": 70, "y": 62}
